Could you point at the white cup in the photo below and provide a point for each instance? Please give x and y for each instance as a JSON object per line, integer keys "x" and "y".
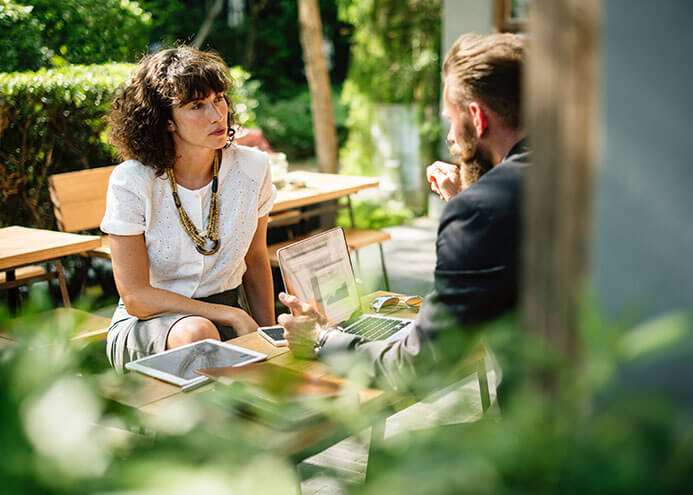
{"x": 279, "y": 166}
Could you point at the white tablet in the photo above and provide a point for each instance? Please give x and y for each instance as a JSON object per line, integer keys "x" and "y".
{"x": 178, "y": 365}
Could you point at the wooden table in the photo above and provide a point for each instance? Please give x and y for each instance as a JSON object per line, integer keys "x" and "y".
{"x": 311, "y": 187}
{"x": 20, "y": 246}
{"x": 155, "y": 397}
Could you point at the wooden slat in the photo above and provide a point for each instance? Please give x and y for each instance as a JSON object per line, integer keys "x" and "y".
{"x": 287, "y": 217}
{"x": 25, "y": 272}
{"x": 76, "y": 217}
{"x": 360, "y": 238}
{"x": 79, "y": 198}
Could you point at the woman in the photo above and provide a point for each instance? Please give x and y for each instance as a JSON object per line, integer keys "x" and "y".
{"x": 186, "y": 213}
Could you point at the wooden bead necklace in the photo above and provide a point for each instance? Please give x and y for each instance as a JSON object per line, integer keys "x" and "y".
{"x": 200, "y": 239}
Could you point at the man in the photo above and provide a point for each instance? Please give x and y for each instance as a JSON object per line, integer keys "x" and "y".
{"x": 478, "y": 243}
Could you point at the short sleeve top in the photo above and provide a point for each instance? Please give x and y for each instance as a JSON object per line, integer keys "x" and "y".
{"x": 139, "y": 202}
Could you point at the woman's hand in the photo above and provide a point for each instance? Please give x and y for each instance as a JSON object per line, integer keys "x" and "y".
{"x": 241, "y": 321}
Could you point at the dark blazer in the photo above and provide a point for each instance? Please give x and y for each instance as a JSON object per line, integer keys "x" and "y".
{"x": 476, "y": 274}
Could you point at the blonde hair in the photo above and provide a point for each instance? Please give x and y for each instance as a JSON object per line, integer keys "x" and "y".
{"x": 487, "y": 68}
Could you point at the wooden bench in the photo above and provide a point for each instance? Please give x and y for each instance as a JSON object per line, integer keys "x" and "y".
{"x": 25, "y": 272}
{"x": 27, "y": 275}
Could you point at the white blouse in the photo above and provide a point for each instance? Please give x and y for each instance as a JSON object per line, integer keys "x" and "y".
{"x": 138, "y": 202}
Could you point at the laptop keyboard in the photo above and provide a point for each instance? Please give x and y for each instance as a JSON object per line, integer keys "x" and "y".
{"x": 372, "y": 328}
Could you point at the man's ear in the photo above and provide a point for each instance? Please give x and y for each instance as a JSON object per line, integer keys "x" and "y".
{"x": 479, "y": 120}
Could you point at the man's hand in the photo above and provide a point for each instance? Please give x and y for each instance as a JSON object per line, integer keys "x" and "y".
{"x": 302, "y": 328}
{"x": 445, "y": 179}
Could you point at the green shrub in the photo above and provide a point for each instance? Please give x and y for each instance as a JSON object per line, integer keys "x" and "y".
{"x": 371, "y": 214}
{"x": 52, "y": 121}
{"x": 288, "y": 124}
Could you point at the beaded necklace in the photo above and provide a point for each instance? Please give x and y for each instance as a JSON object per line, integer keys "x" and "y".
{"x": 212, "y": 233}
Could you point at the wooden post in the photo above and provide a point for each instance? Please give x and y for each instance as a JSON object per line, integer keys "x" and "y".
{"x": 324, "y": 129}
{"x": 562, "y": 96}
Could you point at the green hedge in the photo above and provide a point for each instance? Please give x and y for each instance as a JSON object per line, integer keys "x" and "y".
{"x": 53, "y": 121}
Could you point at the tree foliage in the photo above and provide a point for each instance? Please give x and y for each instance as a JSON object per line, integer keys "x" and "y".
{"x": 20, "y": 38}
{"x": 395, "y": 51}
{"x": 394, "y": 59}
{"x": 266, "y": 44}
{"x": 76, "y": 31}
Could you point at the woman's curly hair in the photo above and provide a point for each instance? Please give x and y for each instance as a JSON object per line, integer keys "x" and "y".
{"x": 141, "y": 110}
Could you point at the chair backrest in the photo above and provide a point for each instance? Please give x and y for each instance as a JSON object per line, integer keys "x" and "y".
{"x": 79, "y": 198}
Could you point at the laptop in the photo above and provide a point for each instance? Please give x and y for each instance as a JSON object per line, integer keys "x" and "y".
{"x": 318, "y": 271}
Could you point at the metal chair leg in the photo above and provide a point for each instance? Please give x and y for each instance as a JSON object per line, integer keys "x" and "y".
{"x": 382, "y": 263}
{"x": 358, "y": 262}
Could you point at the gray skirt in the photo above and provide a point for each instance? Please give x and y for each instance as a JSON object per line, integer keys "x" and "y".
{"x": 130, "y": 338}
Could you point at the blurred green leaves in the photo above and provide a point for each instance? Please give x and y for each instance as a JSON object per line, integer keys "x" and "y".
{"x": 618, "y": 435}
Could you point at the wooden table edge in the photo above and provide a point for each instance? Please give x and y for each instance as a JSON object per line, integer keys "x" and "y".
{"x": 19, "y": 260}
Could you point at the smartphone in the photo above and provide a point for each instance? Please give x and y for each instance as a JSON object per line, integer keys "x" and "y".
{"x": 274, "y": 335}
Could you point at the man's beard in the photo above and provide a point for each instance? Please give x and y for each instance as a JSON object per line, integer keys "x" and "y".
{"x": 473, "y": 169}
{"x": 473, "y": 162}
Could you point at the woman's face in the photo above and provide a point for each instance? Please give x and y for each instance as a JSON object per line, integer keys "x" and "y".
{"x": 200, "y": 124}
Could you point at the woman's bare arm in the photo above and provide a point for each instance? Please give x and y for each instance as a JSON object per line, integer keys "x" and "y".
{"x": 257, "y": 280}
{"x": 131, "y": 273}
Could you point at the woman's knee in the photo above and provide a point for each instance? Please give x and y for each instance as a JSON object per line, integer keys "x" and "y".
{"x": 189, "y": 330}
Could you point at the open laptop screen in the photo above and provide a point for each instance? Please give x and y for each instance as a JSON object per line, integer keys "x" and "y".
{"x": 318, "y": 271}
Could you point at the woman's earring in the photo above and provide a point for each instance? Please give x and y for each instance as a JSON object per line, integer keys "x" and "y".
{"x": 229, "y": 137}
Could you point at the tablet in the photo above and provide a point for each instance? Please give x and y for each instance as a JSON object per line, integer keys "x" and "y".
{"x": 178, "y": 365}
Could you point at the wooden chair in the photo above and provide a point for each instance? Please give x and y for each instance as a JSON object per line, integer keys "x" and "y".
{"x": 79, "y": 202}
